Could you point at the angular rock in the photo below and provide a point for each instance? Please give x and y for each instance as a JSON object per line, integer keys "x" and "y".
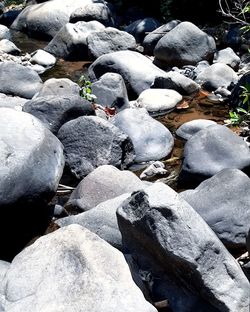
{"x": 140, "y": 27}
{"x": 100, "y": 220}
{"x": 164, "y": 233}
{"x": 158, "y": 101}
{"x": 185, "y": 44}
{"x": 176, "y": 81}
{"x": 217, "y": 75}
{"x": 227, "y": 56}
{"x": 54, "y": 111}
{"x": 110, "y": 91}
{"x": 58, "y": 87}
{"x": 4, "y": 32}
{"x": 189, "y": 128}
{"x": 223, "y": 202}
{"x": 91, "y": 141}
{"x": 102, "y": 184}
{"x": 70, "y": 43}
{"x": 151, "y": 140}
{"x": 55, "y": 270}
{"x": 109, "y": 40}
{"x": 99, "y": 12}
{"x": 43, "y": 58}
{"x": 22, "y": 81}
{"x": 210, "y": 150}
{"x": 154, "y": 36}
{"x": 44, "y": 20}
{"x": 137, "y": 70}
{"x": 6, "y": 46}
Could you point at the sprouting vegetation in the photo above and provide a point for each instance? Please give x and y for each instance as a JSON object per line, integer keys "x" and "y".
{"x": 85, "y": 89}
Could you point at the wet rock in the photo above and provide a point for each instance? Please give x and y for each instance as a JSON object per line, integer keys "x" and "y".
{"x": 185, "y": 44}
{"x": 6, "y": 46}
{"x": 54, "y": 111}
{"x": 186, "y": 130}
{"x": 110, "y": 91}
{"x": 100, "y": 220}
{"x": 70, "y": 43}
{"x": 109, "y": 40}
{"x": 14, "y": 102}
{"x": 223, "y": 202}
{"x": 217, "y": 75}
{"x": 43, "y": 58}
{"x": 4, "y": 32}
{"x": 151, "y": 140}
{"x": 58, "y": 87}
{"x": 91, "y": 141}
{"x": 22, "y": 81}
{"x": 137, "y": 70}
{"x": 176, "y": 81}
{"x": 210, "y": 150}
{"x": 227, "y": 56}
{"x": 99, "y": 12}
{"x": 168, "y": 238}
{"x": 55, "y": 270}
{"x": 44, "y": 20}
{"x": 154, "y": 36}
{"x": 158, "y": 101}
{"x": 102, "y": 184}
{"x": 140, "y": 27}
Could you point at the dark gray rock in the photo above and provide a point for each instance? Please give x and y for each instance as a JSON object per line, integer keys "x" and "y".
{"x": 223, "y": 201}
{"x": 154, "y": 36}
{"x": 55, "y": 270}
{"x": 136, "y": 69}
{"x": 217, "y": 75}
{"x": 58, "y": 87}
{"x": 22, "y": 81}
{"x": 54, "y": 111}
{"x": 102, "y": 184}
{"x": 90, "y": 142}
{"x": 168, "y": 238}
{"x": 210, "y": 150}
{"x": 44, "y": 20}
{"x": 186, "y": 130}
{"x": 235, "y": 98}
{"x": 185, "y": 44}
{"x": 140, "y": 27}
{"x": 4, "y": 32}
{"x": 99, "y": 12}
{"x": 70, "y": 43}
{"x": 227, "y": 56}
{"x": 110, "y": 91}
{"x": 176, "y": 81}
{"x": 248, "y": 241}
{"x": 7, "y": 46}
{"x": 109, "y": 40}
{"x": 246, "y": 269}
{"x": 151, "y": 140}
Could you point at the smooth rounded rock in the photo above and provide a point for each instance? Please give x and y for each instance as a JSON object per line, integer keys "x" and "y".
{"x": 186, "y": 130}
{"x": 43, "y": 58}
{"x": 227, "y": 56}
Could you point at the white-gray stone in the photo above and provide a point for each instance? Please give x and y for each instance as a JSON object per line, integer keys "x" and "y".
{"x": 227, "y": 56}
{"x": 189, "y": 128}
{"x": 43, "y": 58}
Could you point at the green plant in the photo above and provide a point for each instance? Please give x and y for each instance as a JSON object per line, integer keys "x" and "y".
{"x": 85, "y": 89}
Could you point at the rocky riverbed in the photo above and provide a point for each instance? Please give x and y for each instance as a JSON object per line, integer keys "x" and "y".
{"x": 137, "y": 199}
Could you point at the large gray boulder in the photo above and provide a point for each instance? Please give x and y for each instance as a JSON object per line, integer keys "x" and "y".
{"x": 70, "y": 43}
{"x": 223, "y": 201}
{"x": 91, "y": 141}
{"x": 96, "y": 11}
{"x": 154, "y": 36}
{"x": 55, "y": 270}
{"x": 136, "y": 69}
{"x": 185, "y": 44}
{"x": 216, "y": 76}
{"x": 110, "y": 91}
{"x": 44, "y": 20}
{"x": 151, "y": 140}
{"x": 140, "y": 27}
{"x": 109, "y": 40}
{"x": 189, "y": 128}
{"x": 169, "y": 239}
{"x": 102, "y": 184}
{"x": 210, "y": 150}
{"x": 54, "y": 111}
{"x": 18, "y": 80}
